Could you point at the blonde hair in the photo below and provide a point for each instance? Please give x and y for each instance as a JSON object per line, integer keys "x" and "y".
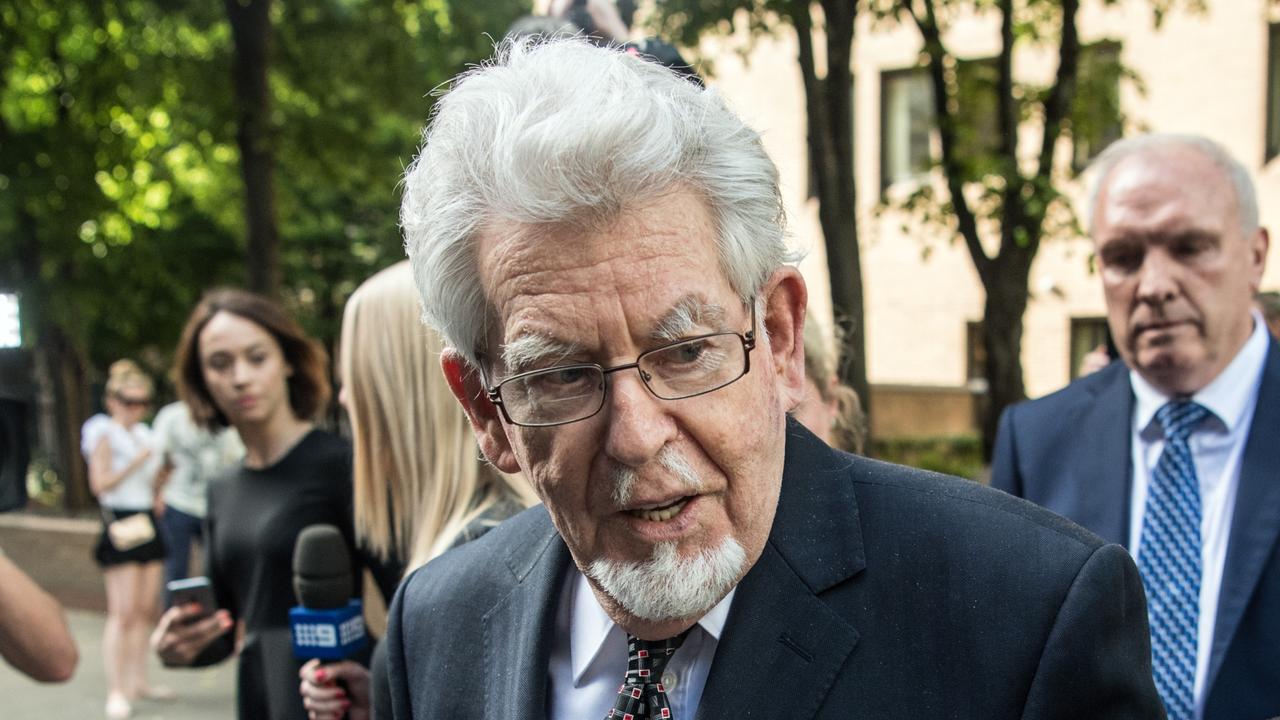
{"x": 419, "y": 480}
{"x": 822, "y": 366}
{"x": 126, "y": 373}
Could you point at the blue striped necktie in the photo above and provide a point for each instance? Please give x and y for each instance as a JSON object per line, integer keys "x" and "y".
{"x": 1169, "y": 560}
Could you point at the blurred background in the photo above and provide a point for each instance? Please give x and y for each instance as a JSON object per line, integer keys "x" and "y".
{"x": 933, "y": 157}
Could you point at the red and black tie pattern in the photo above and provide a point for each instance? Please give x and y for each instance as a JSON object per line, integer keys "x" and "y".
{"x": 642, "y": 696}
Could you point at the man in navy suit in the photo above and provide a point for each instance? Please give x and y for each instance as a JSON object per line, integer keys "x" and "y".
{"x": 1180, "y": 253}
{"x": 602, "y": 245}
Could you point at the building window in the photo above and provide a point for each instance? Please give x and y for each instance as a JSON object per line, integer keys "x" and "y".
{"x": 975, "y": 366}
{"x": 1095, "y": 113}
{"x": 1273, "y": 92}
{"x": 906, "y": 123}
{"x": 1088, "y": 334}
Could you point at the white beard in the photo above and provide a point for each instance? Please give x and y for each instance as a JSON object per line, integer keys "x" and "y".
{"x": 668, "y": 587}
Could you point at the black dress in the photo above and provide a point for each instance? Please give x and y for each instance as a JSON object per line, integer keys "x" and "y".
{"x": 254, "y": 518}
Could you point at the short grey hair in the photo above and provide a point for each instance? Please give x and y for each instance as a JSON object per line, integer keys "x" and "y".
{"x": 1238, "y": 174}
{"x": 561, "y": 131}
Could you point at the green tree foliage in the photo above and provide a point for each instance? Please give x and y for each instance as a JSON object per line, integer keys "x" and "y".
{"x": 1000, "y": 194}
{"x": 121, "y": 198}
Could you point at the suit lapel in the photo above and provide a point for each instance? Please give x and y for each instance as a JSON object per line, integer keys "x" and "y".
{"x": 779, "y": 627}
{"x": 518, "y": 629}
{"x": 1256, "y": 522}
{"x": 1102, "y": 504}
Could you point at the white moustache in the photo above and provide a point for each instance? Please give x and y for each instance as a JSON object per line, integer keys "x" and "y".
{"x": 673, "y": 461}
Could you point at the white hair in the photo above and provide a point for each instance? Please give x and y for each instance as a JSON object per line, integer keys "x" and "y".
{"x": 561, "y": 131}
{"x": 1238, "y": 174}
{"x": 669, "y": 587}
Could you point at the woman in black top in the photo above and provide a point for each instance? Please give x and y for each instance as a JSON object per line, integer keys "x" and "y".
{"x": 243, "y": 362}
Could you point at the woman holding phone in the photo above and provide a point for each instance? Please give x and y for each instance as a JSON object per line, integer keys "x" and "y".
{"x": 242, "y": 362}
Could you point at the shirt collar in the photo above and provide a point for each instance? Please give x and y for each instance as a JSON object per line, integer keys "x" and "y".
{"x": 1226, "y": 396}
{"x": 590, "y": 625}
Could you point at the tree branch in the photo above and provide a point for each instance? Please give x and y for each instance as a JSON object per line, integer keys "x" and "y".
{"x": 946, "y": 120}
{"x": 1063, "y": 92}
{"x": 1012, "y": 210}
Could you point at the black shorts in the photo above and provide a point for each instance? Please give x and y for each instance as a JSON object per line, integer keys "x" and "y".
{"x": 106, "y": 554}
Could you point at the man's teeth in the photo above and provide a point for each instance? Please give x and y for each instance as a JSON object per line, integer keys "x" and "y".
{"x": 661, "y": 514}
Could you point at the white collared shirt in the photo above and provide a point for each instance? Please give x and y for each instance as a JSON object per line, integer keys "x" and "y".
{"x": 589, "y": 657}
{"x": 1217, "y": 446}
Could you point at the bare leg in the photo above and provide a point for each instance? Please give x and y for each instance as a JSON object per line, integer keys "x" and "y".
{"x": 150, "y": 576}
{"x": 119, "y": 580}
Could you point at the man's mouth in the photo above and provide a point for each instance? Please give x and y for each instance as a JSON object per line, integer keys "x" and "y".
{"x": 660, "y": 513}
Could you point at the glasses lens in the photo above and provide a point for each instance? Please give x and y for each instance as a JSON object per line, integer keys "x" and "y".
{"x": 554, "y": 396}
{"x": 694, "y": 366}
{"x": 133, "y": 402}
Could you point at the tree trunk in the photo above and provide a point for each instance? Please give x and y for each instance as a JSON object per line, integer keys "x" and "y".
{"x": 63, "y": 405}
{"x": 829, "y": 108}
{"x": 1002, "y": 338}
{"x": 61, "y": 399}
{"x": 251, "y": 30}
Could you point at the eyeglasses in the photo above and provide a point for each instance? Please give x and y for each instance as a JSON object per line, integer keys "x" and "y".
{"x": 133, "y": 402}
{"x": 569, "y": 393}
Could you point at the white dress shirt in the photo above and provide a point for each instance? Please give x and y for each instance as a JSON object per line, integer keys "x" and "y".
{"x": 589, "y": 657}
{"x": 1217, "y": 446}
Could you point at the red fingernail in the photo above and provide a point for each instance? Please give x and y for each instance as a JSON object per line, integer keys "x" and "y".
{"x": 321, "y": 675}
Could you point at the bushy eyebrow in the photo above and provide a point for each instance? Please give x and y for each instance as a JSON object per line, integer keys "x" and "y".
{"x": 688, "y": 315}
{"x": 534, "y": 350}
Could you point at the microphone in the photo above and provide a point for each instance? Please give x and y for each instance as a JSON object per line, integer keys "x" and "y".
{"x": 327, "y": 624}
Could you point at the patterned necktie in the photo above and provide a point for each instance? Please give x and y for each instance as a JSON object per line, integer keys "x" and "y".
{"x": 1169, "y": 560}
{"x": 642, "y": 696}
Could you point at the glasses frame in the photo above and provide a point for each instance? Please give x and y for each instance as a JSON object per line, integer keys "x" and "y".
{"x": 748, "y": 340}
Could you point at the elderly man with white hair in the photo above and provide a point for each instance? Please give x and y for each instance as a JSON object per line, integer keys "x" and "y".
{"x": 1173, "y": 452}
{"x": 602, "y": 245}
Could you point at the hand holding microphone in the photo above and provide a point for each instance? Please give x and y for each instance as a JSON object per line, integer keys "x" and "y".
{"x": 328, "y": 625}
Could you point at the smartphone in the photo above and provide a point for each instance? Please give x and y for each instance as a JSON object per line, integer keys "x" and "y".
{"x": 193, "y": 590}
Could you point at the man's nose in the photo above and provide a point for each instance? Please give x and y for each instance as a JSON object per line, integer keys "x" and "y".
{"x": 639, "y": 423}
{"x": 1157, "y": 278}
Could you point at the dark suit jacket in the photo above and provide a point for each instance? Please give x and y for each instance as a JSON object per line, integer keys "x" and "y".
{"x": 882, "y": 592}
{"x": 1071, "y": 452}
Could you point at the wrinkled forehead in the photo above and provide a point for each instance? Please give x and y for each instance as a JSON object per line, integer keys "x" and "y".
{"x": 1165, "y": 187}
{"x": 655, "y": 267}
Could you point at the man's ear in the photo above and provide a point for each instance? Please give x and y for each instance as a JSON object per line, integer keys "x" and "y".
{"x": 785, "y": 297}
{"x": 486, "y": 421}
{"x": 1261, "y": 244}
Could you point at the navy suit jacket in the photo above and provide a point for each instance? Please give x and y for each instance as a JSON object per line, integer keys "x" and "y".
{"x": 882, "y": 592}
{"x": 1071, "y": 453}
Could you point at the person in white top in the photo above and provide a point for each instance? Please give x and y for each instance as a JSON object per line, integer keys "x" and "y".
{"x": 193, "y": 457}
{"x": 123, "y": 473}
